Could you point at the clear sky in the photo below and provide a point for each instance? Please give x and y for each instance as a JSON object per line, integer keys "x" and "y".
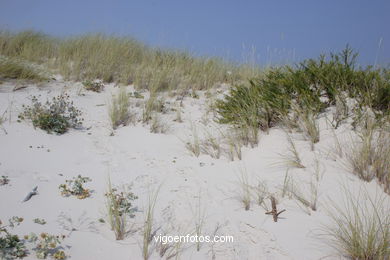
{"x": 277, "y": 31}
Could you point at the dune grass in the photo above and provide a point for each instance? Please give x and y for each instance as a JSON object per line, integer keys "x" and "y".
{"x": 148, "y": 228}
{"x": 12, "y": 68}
{"x": 368, "y": 157}
{"x": 122, "y": 60}
{"x": 244, "y": 195}
{"x": 292, "y": 157}
{"x": 118, "y": 109}
{"x": 360, "y": 227}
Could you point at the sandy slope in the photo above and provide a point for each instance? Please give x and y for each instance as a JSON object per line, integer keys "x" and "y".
{"x": 146, "y": 160}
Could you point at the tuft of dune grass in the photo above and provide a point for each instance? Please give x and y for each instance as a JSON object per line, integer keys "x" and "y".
{"x": 17, "y": 69}
{"x": 360, "y": 227}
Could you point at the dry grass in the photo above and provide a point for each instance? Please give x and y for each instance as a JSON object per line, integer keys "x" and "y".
{"x": 294, "y": 190}
{"x": 118, "y": 109}
{"x": 234, "y": 145}
{"x": 148, "y": 227}
{"x": 360, "y": 227}
{"x": 200, "y": 217}
{"x": 193, "y": 145}
{"x": 261, "y": 193}
{"x": 292, "y": 158}
{"x": 122, "y": 60}
{"x": 369, "y": 155}
{"x": 157, "y": 125}
{"x": 309, "y": 126}
{"x": 245, "y": 189}
{"x": 211, "y": 145}
{"x": 13, "y": 68}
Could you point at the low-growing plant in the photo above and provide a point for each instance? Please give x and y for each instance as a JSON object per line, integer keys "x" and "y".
{"x": 11, "y": 246}
{"x": 75, "y": 187}
{"x": 119, "y": 209}
{"x": 57, "y": 115}
{"x": 118, "y": 109}
{"x": 360, "y": 227}
{"x": 39, "y": 221}
{"x": 4, "y": 180}
{"x": 95, "y": 86}
{"x": 47, "y": 245}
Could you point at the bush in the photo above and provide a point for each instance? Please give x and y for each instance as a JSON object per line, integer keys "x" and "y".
{"x": 310, "y": 86}
{"x": 56, "y": 116}
{"x": 259, "y": 105}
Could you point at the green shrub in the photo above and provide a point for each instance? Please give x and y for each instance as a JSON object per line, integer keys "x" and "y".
{"x": 260, "y": 105}
{"x": 57, "y": 115}
{"x": 311, "y": 86}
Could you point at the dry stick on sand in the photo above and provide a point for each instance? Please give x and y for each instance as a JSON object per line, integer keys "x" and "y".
{"x": 274, "y": 212}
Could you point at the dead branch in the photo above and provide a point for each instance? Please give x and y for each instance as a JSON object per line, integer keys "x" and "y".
{"x": 274, "y": 212}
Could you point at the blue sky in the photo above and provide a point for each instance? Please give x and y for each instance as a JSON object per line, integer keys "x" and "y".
{"x": 269, "y": 32}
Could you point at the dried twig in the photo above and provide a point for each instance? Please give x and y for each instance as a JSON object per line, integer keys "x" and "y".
{"x": 274, "y": 212}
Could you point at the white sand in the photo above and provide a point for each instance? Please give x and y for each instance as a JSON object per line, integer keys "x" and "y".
{"x": 146, "y": 160}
